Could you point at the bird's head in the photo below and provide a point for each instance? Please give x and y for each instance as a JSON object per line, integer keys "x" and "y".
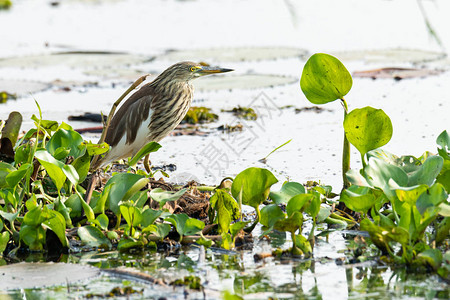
{"x": 186, "y": 71}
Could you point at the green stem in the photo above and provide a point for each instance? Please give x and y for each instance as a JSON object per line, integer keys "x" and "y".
{"x": 345, "y": 151}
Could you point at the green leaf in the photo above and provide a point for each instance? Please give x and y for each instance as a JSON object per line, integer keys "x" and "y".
{"x": 430, "y": 257}
{"x": 287, "y": 191}
{"x": 127, "y": 244}
{"x": 226, "y": 207}
{"x": 358, "y": 198}
{"x": 33, "y": 237}
{"x": 92, "y": 237}
{"x": 427, "y": 172}
{"x": 161, "y": 230}
{"x": 53, "y": 167}
{"x": 434, "y": 196}
{"x": 81, "y": 165}
{"x": 443, "y": 140}
{"x": 96, "y": 149}
{"x": 270, "y": 214}
{"x": 149, "y": 216}
{"x": 56, "y": 222}
{"x": 163, "y": 196}
{"x": 148, "y": 148}
{"x": 185, "y": 225}
{"x": 367, "y": 128}
{"x": 297, "y": 203}
{"x": 325, "y": 79}
{"x": 5, "y": 169}
{"x": 67, "y": 139}
{"x": 4, "y": 239}
{"x": 123, "y": 186}
{"x": 103, "y": 221}
{"x": 291, "y": 223}
{"x": 255, "y": 184}
{"x": 379, "y": 174}
{"x": 235, "y": 228}
{"x": 15, "y": 177}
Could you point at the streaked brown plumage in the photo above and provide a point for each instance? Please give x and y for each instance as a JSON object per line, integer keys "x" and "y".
{"x": 152, "y": 112}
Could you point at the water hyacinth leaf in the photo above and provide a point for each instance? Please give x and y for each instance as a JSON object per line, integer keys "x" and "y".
{"x": 10, "y": 217}
{"x": 93, "y": 237}
{"x": 71, "y": 174}
{"x": 444, "y": 209}
{"x": 5, "y": 169}
{"x": 222, "y": 201}
{"x": 148, "y": 148}
{"x": 358, "y": 198}
{"x": 235, "y": 228}
{"x": 303, "y": 243}
{"x": 22, "y": 153}
{"x": 15, "y": 177}
{"x": 33, "y": 237}
{"x": 56, "y": 223}
{"x": 123, "y": 186}
{"x": 291, "y": 223}
{"x": 81, "y": 165}
{"x": 255, "y": 184}
{"x": 163, "y": 196}
{"x": 434, "y": 196}
{"x": 68, "y": 139}
{"x": 53, "y": 167}
{"x": 96, "y": 149}
{"x": 287, "y": 191}
{"x": 4, "y": 239}
{"x": 98, "y": 203}
{"x": 270, "y": 214}
{"x": 378, "y": 173}
{"x": 367, "y": 128}
{"x": 443, "y": 140}
{"x": 185, "y": 225}
{"x": 356, "y": 178}
{"x": 103, "y": 221}
{"x": 427, "y": 172}
{"x": 127, "y": 244}
{"x": 160, "y": 230}
{"x": 149, "y": 216}
{"x": 324, "y": 213}
{"x": 430, "y": 257}
{"x": 298, "y": 203}
{"x": 325, "y": 79}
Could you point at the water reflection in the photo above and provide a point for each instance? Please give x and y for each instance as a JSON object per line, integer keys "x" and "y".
{"x": 323, "y": 277}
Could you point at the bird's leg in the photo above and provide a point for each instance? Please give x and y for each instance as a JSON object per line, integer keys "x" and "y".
{"x": 91, "y": 186}
{"x": 147, "y": 163}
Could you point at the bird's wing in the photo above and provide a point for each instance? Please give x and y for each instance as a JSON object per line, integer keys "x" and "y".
{"x": 130, "y": 116}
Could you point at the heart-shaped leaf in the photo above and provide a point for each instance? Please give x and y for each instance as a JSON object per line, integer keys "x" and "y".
{"x": 367, "y": 128}
{"x": 325, "y": 79}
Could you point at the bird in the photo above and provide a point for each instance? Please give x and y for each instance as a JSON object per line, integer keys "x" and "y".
{"x": 153, "y": 111}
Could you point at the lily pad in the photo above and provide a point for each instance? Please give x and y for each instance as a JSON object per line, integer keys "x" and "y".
{"x": 235, "y": 54}
{"x": 75, "y": 60}
{"x": 391, "y": 55}
{"x": 21, "y": 88}
{"x": 35, "y": 275}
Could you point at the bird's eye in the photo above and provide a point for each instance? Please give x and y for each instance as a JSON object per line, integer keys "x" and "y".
{"x": 193, "y": 69}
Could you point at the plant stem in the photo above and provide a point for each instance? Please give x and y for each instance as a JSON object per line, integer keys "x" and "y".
{"x": 345, "y": 151}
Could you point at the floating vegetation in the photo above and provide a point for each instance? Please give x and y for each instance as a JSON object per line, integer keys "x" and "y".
{"x": 5, "y": 4}
{"x": 246, "y": 113}
{"x": 5, "y": 96}
{"x": 200, "y": 114}
{"x": 231, "y": 128}
{"x": 396, "y": 206}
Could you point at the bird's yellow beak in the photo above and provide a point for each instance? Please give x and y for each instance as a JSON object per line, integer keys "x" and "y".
{"x": 206, "y": 70}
